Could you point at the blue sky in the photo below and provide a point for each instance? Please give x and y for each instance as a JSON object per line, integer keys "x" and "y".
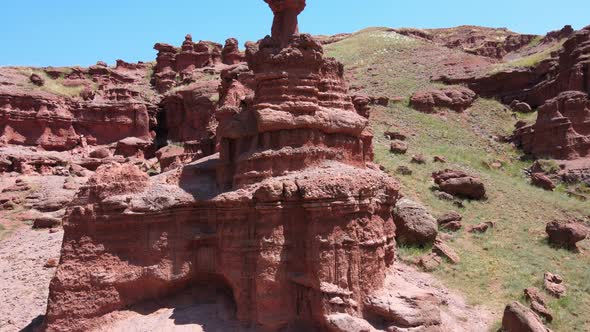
{"x": 81, "y": 32}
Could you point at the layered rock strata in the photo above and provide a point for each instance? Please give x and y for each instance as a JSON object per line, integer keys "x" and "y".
{"x": 290, "y": 218}
{"x": 176, "y": 65}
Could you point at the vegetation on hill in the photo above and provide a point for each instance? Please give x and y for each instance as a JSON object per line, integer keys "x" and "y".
{"x": 495, "y": 267}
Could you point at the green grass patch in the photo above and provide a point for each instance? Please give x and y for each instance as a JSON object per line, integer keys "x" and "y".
{"x": 51, "y": 85}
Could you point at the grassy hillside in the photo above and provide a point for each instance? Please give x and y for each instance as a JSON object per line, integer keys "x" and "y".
{"x": 496, "y": 266}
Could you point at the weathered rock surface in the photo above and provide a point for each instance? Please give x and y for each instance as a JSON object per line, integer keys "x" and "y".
{"x": 36, "y": 118}
{"x": 455, "y": 98}
{"x": 562, "y": 128}
{"x": 286, "y": 218}
{"x": 414, "y": 224}
{"x": 518, "y": 318}
{"x": 459, "y": 183}
{"x": 566, "y": 234}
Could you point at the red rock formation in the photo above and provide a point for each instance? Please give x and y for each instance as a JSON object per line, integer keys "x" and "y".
{"x": 54, "y": 123}
{"x": 286, "y": 218}
{"x": 566, "y": 70}
{"x": 518, "y": 318}
{"x": 562, "y": 129}
{"x": 231, "y": 55}
{"x": 188, "y": 116}
{"x": 455, "y": 98}
{"x": 173, "y": 64}
{"x": 285, "y": 23}
{"x": 488, "y": 42}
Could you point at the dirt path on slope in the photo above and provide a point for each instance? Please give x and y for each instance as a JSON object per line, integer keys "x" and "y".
{"x": 24, "y": 281}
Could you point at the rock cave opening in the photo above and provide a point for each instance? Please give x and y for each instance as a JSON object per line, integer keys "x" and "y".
{"x": 161, "y": 129}
{"x": 206, "y": 302}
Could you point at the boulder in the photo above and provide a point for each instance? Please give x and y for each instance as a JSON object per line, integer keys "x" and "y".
{"x": 46, "y": 222}
{"x": 395, "y": 135}
{"x": 398, "y": 147}
{"x": 481, "y": 228}
{"x": 100, "y": 153}
{"x": 450, "y": 221}
{"x": 459, "y": 183}
{"x": 418, "y": 159}
{"x": 518, "y": 318}
{"x": 455, "y": 98}
{"x": 542, "y": 181}
{"x": 521, "y": 107}
{"x": 414, "y": 224}
{"x": 566, "y": 234}
{"x": 342, "y": 322}
{"x": 37, "y": 80}
{"x": 131, "y": 147}
{"x": 403, "y": 170}
{"x": 405, "y": 309}
{"x": 430, "y": 262}
{"x": 443, "y": 250}
{"x": 449, "y": 217}
{"x": 554, "y": 285}
{"x": 439, "y": 159}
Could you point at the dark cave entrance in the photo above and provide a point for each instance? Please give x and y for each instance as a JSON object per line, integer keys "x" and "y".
{"x": 161, "y": 139}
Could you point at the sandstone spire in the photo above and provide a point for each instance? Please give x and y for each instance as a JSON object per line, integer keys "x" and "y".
{"x": 285, "y": 23}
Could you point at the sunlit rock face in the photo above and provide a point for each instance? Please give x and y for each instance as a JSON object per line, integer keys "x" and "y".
{"x": 290, "y": 217}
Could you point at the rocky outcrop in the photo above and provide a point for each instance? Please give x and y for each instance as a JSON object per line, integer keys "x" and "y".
{"x": 288, "y": 218}
{"x": 188, "y": 115}
{"x": 54, "y": 123}
{"x": 459, "y": 183}
{"x": 566, "y": 70}
{"x": 177, "y": 65}
{"x": 231, "y": 55}
{"x": 455, "y": 98}
{"x": 482, "y": 41}
{"x": 562, "y": 128}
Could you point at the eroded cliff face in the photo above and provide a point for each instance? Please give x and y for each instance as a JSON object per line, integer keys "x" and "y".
{"x": 290, "y": 217}
{"x": 106, "y": 110}
{"x": 562, "y": 128}
{"x": 566, "y": 70}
